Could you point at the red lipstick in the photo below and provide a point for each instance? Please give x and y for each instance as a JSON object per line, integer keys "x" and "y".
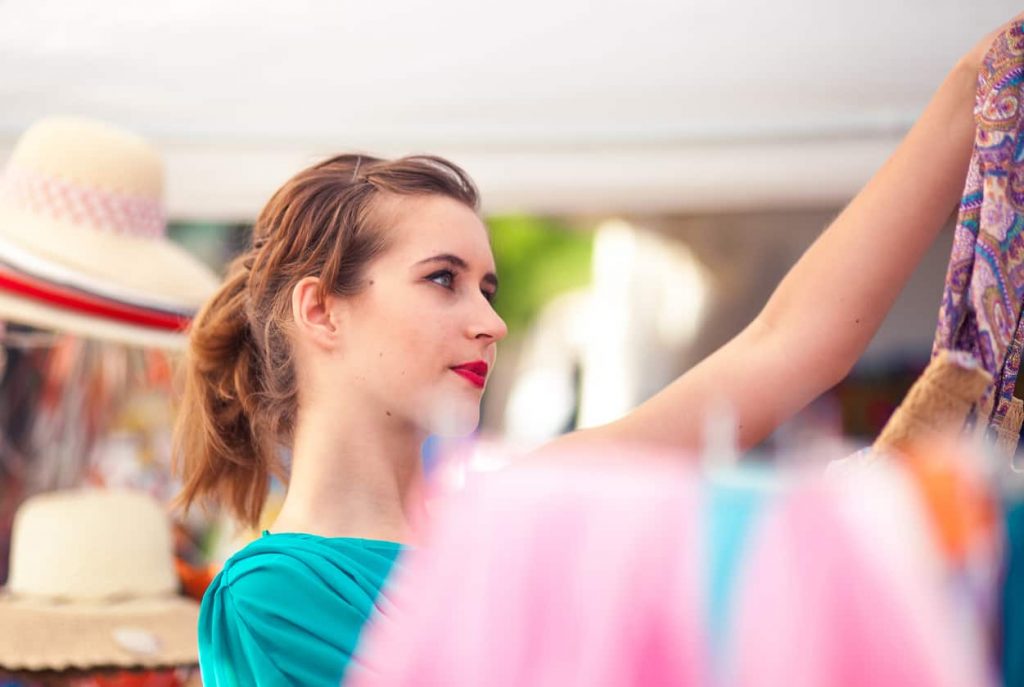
{"x": 475, "y": 372}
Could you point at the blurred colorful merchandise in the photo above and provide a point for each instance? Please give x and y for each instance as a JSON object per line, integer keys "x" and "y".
{"x": 92, "y": 295}
{"x": 637, "y": 570}
{"x": 76, "y": 412}
{"x": 1011, "y": 612}
{"x": 868, "y": 397}
{"x": 113, "y": 678}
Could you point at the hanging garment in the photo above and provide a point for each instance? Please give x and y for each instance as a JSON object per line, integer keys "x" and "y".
{"x": 584, "y": 573}
{"x": 846, "y": 585}
{"x": 984, "y": 293}
{"x": 561, "y": 575}
{"x": 734, "y": 501}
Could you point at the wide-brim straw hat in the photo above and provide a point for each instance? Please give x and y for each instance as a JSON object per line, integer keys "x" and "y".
{"x": 92, "y": 584}
{"x": 81, "y": 205}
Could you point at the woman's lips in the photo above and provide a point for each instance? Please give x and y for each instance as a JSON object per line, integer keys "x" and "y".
{"x": 475, "y": 372}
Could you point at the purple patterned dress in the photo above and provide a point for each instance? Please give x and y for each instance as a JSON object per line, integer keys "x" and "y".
{"x": 984, "y": 293}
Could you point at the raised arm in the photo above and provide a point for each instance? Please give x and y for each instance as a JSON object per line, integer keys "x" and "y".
{"x": 825, "y": 311}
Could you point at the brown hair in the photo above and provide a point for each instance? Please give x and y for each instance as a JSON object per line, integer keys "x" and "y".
{"x": 240, "y": 398}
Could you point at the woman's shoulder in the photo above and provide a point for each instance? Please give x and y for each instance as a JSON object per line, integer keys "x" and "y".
{"x": 287, "y": 590}
{"x": 278, "y": 563}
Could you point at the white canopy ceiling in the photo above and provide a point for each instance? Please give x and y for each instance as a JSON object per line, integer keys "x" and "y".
{"x": 567, "y": 106}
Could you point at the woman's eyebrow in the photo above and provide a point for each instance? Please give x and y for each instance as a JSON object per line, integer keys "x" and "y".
{"x": 455, "y": 261}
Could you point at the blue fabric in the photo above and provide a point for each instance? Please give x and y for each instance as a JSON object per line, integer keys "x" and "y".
{"x": 734, "y": 502}
{"x": 1013, "y": 598}
{"x": 288, "y": 609}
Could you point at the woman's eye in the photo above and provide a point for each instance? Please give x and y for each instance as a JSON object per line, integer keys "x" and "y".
{"x": 489, "y": 295}
{"x": 445, "y": 278}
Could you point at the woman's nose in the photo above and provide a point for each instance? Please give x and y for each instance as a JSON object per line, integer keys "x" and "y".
{"x": 488, "y": 324}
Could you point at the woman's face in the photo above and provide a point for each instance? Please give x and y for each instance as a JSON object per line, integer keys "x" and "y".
{"x": 420, "y": 341}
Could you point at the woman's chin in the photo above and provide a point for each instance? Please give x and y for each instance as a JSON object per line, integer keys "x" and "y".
{"x": 453, "y": 419}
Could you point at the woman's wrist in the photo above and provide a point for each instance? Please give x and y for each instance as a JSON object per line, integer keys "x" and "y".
{"x": 957, "y": 95}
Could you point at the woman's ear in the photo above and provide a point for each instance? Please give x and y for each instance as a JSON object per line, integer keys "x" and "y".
{"x": 314, "y": 319}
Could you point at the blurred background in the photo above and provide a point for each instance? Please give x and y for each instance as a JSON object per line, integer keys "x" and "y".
{"x": 649, "y": 171}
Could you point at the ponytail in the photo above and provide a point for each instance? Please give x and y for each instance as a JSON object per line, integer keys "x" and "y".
{"x": 223, "y": 450}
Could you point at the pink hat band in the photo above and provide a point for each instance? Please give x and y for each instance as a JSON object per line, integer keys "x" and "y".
{"x": 66, "y": 201}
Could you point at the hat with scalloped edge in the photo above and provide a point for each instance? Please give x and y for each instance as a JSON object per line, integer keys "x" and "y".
{"x": 92, "y": 584}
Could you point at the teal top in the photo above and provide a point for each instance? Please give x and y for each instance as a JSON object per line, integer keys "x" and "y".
{"x": 288, "y": 609}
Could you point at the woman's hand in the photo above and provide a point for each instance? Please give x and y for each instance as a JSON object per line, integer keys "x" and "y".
{"x": 973, "y": 59}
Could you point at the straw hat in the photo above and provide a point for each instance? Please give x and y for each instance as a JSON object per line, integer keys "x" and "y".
{"x": 81, "y": 205}
{"x": 92, "y": 583}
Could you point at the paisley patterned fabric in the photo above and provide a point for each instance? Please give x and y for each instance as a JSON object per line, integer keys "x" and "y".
{"x": 984, "y": 293}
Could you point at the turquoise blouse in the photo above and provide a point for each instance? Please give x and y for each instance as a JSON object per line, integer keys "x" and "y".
{"x": 288, "y": 609}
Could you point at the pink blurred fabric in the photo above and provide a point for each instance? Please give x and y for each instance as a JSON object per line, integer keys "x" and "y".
{"x": 845, "y": 587}
{"x": 595, "y": 571}
{"x": 581, "y": 573}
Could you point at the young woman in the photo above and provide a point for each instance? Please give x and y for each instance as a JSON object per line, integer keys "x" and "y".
{"x": 360, "y": 321}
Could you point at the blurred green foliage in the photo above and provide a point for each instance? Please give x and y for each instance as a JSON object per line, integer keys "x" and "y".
{"x": 213, "y": 243}
{"x": 537, "y": 259}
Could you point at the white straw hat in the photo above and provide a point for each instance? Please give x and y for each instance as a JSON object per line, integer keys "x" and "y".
{"x": 92, "y": 583}
{"x": 81, "y": 204}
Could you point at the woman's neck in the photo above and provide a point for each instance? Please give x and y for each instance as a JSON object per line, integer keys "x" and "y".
{"x": 353, "y": 475}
